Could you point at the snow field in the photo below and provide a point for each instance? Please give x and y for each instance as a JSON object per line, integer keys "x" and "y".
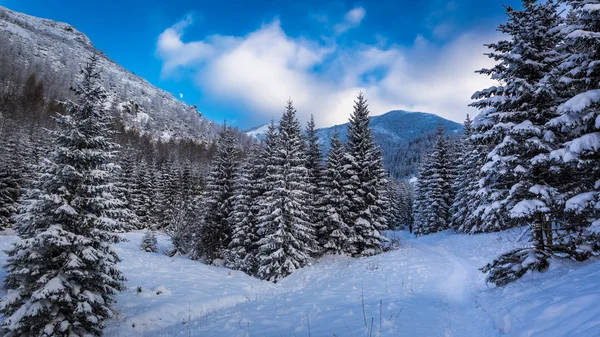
{"x": 431, "y": 286}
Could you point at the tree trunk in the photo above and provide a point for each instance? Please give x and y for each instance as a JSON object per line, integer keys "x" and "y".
{"x": 538, "y": 233}
{"x": 548, "y": 230}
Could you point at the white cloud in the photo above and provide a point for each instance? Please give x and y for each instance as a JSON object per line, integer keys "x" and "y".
{"x": 260, "y": 71}
{"x": 352, "y": 19}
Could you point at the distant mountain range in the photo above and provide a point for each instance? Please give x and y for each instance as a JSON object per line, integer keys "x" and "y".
{"x": 403, "y": 137}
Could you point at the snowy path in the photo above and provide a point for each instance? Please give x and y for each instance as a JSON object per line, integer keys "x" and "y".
{"x": 419, "y": 290}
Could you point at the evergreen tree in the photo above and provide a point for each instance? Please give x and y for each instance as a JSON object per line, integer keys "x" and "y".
{"x": 127, "y": 189}
{"x": 393, "y": 204}
{"x": 578, "y": 127}
{"x": 406, "y": 202}
{"x": 243, "y": 220}
{"x": 515, "y": 183}
{"x": 11, "y": 181}
{"x": 314, "y": 158}
{"x": 466, "y": 202}
{"x": 365, "y": 177}
{"x": 334, "y": 233}
{"x": 215, "y": 232}
{"x": 149, "y": 242}
{"x": 287, "y": 236}
{"x": 142, "y": 196}
{"x": 62, "y": 273}
{"x": 434, "y": 188}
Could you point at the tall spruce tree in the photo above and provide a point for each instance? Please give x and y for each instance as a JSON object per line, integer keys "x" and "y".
{"x": 248, "y": 190}
{"x": 215, "y": 232}
{"x": 62, "y": 273}
{"x": 578, "y": 127}
{"x": 334, "y": 234}
{"x": 287, "y": 236}
{"x": 142, "y": 200}
{"x": 515, "y": 183}
{"x": 12, "y": 170}
{"x": 434, "y": 188}
{"x": 466, "y": 201}
{"x": 365, "y": 176}
{"x": 314, "y": 158}
{"x": 518, "y": 178}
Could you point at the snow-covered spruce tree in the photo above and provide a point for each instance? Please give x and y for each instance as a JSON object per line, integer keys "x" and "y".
{"x": 142, "y": 196}
{"x": 434, "y": 193}
{"x": 127, "y": 188}
{"x": 515, "y": 178}
{"x": 394, "y": 203}
{"x": 314, "y": 159}
{"x": 183, "y": 226}
{"x": 334, "y": 233}
{"x": 62, "y": 273}
{"x": 215, "y": 232}
{"x": 578, "y": 125}
{"x": 11, "y": 181}
{"x": 365, "y": 177}
{"x": 287, "y": 236}
{"x": 406, "y": 202}
{"x": 242, "y": 250}
{"x": 466, "y": 185}
{"x": 149, "y": 242}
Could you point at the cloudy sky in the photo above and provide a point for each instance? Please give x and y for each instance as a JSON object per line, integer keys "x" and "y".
{"x": 241, "y": 60}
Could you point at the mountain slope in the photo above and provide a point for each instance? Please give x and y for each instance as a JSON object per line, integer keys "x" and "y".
{"x": 54, "y": 51}
{"x": 402, "y": 136}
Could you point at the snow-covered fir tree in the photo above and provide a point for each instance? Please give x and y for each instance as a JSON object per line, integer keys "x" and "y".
{"x": 515, "y": 180}
{"x": 578, "y": 127}
{"x": 393, "y": 200}
{"x": 434, "y": 192}
{"x": 142, "y": 200}
{"x": 466, "y": 185}
{"x": 62, "y": 274}
{"x": 365, "y": 176}
{"x": 314, "y": 166}
{"x": 334, "y": 233}
{"x": 11, "y": 181}
{"x": 287, "y": 236}
{"x": 243, "y": 220}
{"x": 127, "y": 189}
{"x": 149, "y": 242}
{"x": 183, "y": 225}
{"x": 406, "y": 202}
{"x": 215, "y": 232}
{"x": 533, "y": 174}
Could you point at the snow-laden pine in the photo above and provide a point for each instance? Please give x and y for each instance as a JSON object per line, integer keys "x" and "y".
{"x": 467, "y": 199}
{"x": 434, "y": 192}
{"x": 62, "y": 274}
{"x": 314, "y": 167}
{"x": 578, "y": 126}
{"x": 215, "y": 231}
{"x": 243, "y": 220}
{"x": 365, "y": 177}
{"x": 287, "y": 236}
{"x": 515, "y": 175}
{"x": 334, "y": 233}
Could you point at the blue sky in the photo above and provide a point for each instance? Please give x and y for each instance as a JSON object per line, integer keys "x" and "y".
{"x": 240, "y": 60}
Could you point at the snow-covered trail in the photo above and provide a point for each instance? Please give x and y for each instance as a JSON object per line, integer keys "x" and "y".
{"x": 422, "y": 289}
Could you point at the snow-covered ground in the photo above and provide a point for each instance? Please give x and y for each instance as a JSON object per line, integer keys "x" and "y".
{"x": 431, "y": 286}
